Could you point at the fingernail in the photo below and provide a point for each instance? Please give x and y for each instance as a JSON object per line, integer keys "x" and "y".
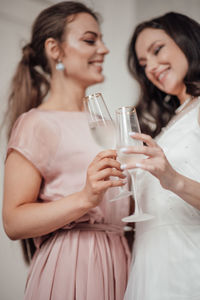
{"x": 123, "y": 149}
{"x": 123, "y": 166}
{"x": 124, "y": 181}
{"x": 138, "y": 165}
{"x": 132, "y": 133}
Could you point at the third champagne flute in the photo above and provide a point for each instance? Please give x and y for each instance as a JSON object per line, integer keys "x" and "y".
{"x": 126, "y": 122}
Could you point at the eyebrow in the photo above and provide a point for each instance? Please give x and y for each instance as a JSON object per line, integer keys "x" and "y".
{"x": 91, "y": 32}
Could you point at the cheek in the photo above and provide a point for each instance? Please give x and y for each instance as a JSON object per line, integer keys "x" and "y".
{"x": 180, "y": 60}
{"x": 75, "y": 59}
{"x": 185, "y": 67}
{"x": 181, "y": 66}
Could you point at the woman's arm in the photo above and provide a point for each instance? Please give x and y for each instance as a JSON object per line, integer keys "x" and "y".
{"x": 157, "y": 164}
{"x": 24, "y": 217}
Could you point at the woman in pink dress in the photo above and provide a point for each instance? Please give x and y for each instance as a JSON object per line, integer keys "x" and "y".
{"x": 72, "y": 235}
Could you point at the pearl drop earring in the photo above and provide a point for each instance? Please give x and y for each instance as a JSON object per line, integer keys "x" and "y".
{"x": 60, "y": 66}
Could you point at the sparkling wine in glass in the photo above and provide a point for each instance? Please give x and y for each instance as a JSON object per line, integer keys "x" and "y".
{"x": 102, "y": 128}
{"x": 126, "y": 122}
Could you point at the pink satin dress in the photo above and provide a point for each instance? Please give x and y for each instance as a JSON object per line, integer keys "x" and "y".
{"x": 87, "y": 259}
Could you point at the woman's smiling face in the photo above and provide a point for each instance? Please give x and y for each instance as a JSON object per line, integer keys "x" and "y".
{"x": 164, "y": 63}
{"x": 84, "y": 50}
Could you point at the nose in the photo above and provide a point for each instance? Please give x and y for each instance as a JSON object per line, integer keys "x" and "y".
{"x": 102, "y": 49}
{"x": 151, "y": 65}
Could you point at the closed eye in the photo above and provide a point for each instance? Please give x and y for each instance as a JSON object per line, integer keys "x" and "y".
{"x": 90, "y": 42}
{"x": 157, "y": 49}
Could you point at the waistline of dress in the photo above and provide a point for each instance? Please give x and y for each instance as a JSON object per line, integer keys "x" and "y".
{"x": 108, "y": 228}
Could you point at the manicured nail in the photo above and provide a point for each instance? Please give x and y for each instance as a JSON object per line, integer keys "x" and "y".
{"x": 123, "y": 150}
{"x": 138, "y": 165}
{"x": 124, "y": 181}
{"x": 132, "y": 133}
{"x": 123, "y": 166}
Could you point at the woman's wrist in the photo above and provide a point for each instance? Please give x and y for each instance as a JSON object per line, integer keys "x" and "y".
{"x": 85, "y": 202}
{"x": 178, "y": 184}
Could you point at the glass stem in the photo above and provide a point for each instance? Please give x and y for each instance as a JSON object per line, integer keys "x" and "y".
{"x": 137, "y": 210}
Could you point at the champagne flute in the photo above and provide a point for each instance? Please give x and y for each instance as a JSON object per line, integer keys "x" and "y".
{"x": 126, "y": 122}
{"x": 102, "y": 128}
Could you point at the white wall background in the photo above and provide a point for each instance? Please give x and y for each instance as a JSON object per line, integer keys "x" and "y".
{"x": 119, "y": 19}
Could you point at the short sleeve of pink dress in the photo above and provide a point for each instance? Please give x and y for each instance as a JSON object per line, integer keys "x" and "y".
{"x": 36, "y": 138}
{"x": 88, "y": 259}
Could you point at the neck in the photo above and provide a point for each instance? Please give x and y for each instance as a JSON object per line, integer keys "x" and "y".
{"x": 65, "y": 95}
{"x": 184, "y": 104}
{"x": 182, "y": 95}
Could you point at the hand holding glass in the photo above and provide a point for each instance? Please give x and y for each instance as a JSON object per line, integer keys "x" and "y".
{"x": 102, "y": 128}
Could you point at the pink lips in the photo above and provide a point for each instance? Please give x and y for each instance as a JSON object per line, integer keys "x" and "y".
{"x": 161, "y": 75}
{"x": 97, "y": 64}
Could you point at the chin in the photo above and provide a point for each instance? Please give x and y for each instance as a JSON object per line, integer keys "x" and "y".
{"x": 97, "y": 80}
{"x": 174, "y": 88}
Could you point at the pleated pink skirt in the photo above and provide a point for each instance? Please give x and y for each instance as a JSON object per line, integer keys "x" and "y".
{"x": 80, "y": 264}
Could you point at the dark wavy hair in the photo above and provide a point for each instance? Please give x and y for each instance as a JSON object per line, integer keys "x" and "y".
{"x": 153, "y": 111}
{"x": 30, "y": 83}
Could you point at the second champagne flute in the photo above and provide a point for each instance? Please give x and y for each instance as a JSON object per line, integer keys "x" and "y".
{"x": 126, "y": 122}
{"x": 102, "y": 128}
